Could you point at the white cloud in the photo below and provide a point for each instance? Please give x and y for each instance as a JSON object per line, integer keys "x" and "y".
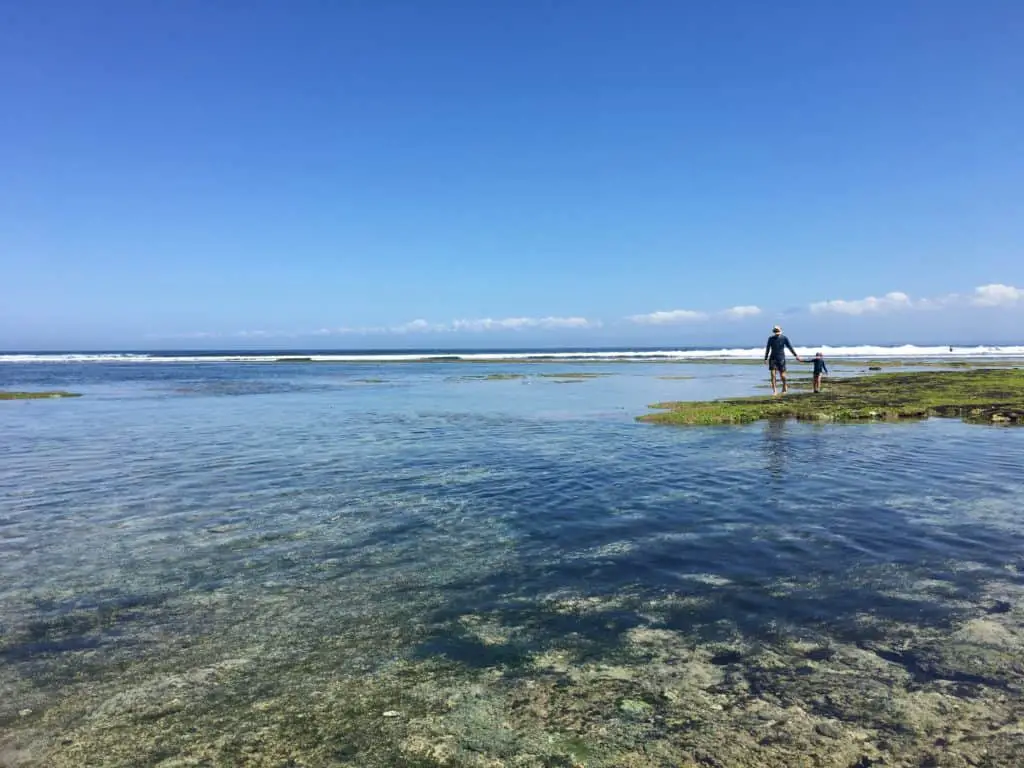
{"x": 891, "y": 301}
{"x": 258, "y": 334}
{"x": 193, "y": 335}
{"x": 993, "y": 295}
{"x": 521, "y": 323}
{"x": 679, "y": 316}
{"x": 475, "y": 325}
{"x": 996, "y": 295}
{"x": 415, "y": 326}
{"x": 738, "y": 313}
{"x": 669, "y": 317}
{"x": 942, "y": 302}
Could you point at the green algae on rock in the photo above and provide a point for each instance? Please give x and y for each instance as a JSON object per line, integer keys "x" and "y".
{"x": 573, "y": 375}
{"x": 937, "y": 363}
{"x": 981, "y": 396}
{"x": 35, "y": 395}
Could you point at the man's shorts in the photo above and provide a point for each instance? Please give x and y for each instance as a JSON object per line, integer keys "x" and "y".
{"x": 775, "y": 364}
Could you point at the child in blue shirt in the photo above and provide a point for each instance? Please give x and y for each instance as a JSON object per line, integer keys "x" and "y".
{"x": 819, "y": 368}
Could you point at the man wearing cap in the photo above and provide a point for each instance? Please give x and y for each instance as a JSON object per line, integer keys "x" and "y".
{"x": 775, "y": 356}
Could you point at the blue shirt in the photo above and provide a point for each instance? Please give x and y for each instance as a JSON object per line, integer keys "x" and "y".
{"x": 777, "y": 346}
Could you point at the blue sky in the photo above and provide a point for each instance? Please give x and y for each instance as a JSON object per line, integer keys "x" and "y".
{"x": 350, "y": 174}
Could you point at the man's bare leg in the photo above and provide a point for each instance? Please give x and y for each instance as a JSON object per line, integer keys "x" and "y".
{"x": 785, "y": 387}
{"x": 772, "y": 372}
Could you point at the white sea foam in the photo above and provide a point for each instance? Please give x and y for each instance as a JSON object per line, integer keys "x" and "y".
{"x": 736, "y": 353}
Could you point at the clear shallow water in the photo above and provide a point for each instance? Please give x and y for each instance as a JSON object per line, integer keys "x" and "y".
{"x": 406, "y": 529}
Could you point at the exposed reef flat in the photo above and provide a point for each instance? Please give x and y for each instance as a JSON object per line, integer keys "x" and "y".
{"x": 983, "y": 396}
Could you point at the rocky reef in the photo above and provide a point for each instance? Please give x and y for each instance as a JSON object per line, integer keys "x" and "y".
{"x": 620, "y": 680}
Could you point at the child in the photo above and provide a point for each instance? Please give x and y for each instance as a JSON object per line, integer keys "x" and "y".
{"x": 819, "y": 368}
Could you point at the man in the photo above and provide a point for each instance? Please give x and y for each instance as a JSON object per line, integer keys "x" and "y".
{"x": 775, "y": 356}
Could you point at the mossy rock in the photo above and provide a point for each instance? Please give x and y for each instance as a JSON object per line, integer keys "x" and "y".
{"x": 35, "y": 395}
{"x": 490, "y": 377}
{"x": 982, "y": 396}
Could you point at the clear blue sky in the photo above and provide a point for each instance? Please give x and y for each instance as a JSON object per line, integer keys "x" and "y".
{"x": 225, "y": 173}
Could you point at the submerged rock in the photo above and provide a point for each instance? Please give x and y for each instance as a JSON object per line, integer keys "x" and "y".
{"x": 829, "y": 730}
{"x": 636, "y": 708}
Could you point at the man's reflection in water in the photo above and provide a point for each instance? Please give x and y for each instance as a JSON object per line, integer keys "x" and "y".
{"x": 785, "y": 442}
{"x": 777, "y": 449}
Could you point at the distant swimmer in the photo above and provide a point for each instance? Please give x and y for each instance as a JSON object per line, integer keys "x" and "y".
{"x": 775, "y": 356}
{"x": 951, "y": 349}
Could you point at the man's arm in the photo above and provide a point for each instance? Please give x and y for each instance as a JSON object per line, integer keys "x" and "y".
{"x": 790, "y": 346}
{"x": 767, "y": 349}
{"x": 824, "y": 368}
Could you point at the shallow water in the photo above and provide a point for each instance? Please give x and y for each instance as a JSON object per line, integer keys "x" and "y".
{"x": 249, "y": 564}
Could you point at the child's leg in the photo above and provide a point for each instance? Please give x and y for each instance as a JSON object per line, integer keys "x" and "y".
{"x": 817, "y": 382}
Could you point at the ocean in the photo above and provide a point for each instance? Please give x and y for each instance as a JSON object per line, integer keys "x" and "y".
{"x": 865, "y": 351}
{"x": 480, "y": 558}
